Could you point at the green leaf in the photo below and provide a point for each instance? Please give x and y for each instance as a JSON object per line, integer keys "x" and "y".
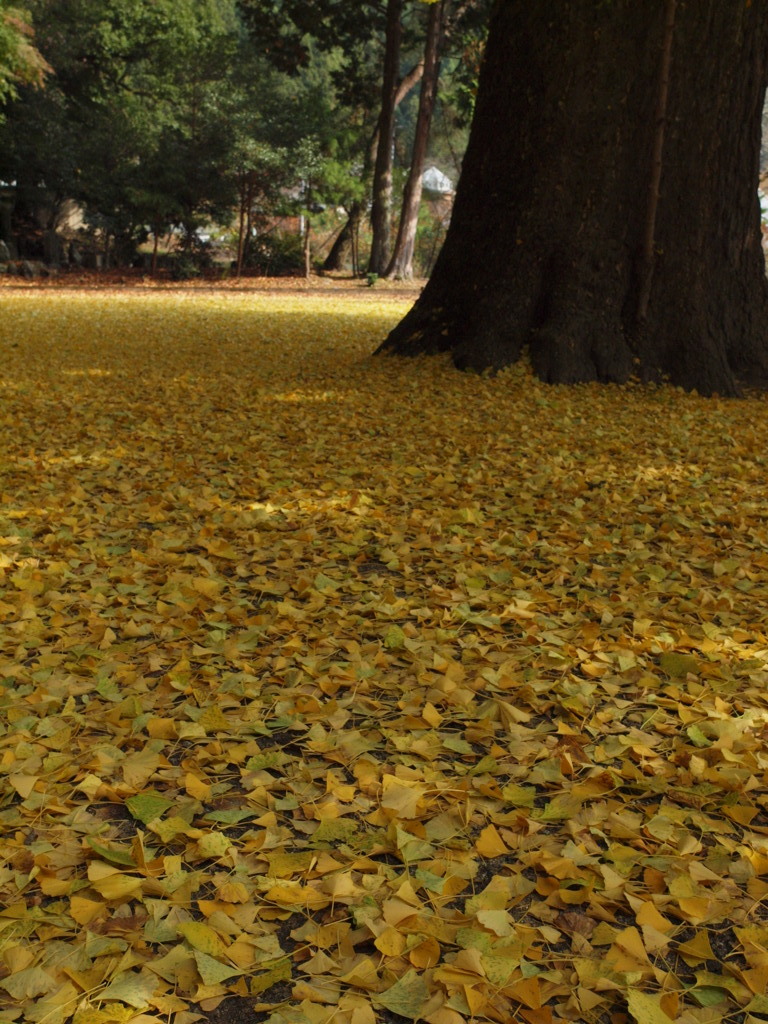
{"x": 394, "y": 638}
{"x": 133, "y": 989}
{"x": 281, "y": 971}
{"x": 335, "y": 830}
{"x": 708, "y": 996}
{"x": 697, "y": 737}
{"x": 114, "y": 854}
{"x": 456, "y": 744}
{"x": 28, "y": 984}
{"x": 213, "y": 845}
{"x": 407, "y": 997}
{"x": 678, "y": 665}
{"x": 147, "y": 806}
{"x": 228, "y": 817}
{"x": 211, "y": 971}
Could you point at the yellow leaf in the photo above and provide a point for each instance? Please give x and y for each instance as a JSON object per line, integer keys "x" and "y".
{"x": 696, "y": 909}
{"x": 391, "y": 942}
{"x": 213, "y": 845}
{"x": 297, "y": 896}
{"x": 213, "y": 720}
{"x": 646, "y": 1007}
{"x": 134, "y": 989}
{"x": 87, "y": 1013}
{"x": 202, "y": 938}
{"x": 206, "y": 586}
{"x": 83, "y": 910}
{"x": 233, "y": 892}
{"x": 23, "y": 784}
{"x": 497, "y": 921}
{"x": 116, "y": 887}
{"x": 648, "y": 914}
{"x": 284, "y": 864}
{"x": 490, "y": 844}
{"x": 402, "y": 797}
{"x": 527, "y": 991}
{"x": 426, "y": 954}
{"x": 196, "y": 787}
{"x": 138, "y": 768}
{"x": 696, "y": 949}
{"x": 219, "y": 548}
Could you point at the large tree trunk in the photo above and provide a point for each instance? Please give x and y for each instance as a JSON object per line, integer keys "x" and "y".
{"x": 547, "y": 247}
{"x": 382, "y": 175}
{"x": 343, "y": 249}
{"x": 401, "y": 262}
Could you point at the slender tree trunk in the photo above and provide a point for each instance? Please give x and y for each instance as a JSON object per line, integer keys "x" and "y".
{"x": 156, "y": 240}
{"x": 351, "y": 230}
{"x": 401, "y": 262}
{"x": 382, "y": 175}
{"x": 241, "y": 225}
{"x": 307, "y": 252}
{"x": 545, "y": 252}
{"x": 356, "y": 248}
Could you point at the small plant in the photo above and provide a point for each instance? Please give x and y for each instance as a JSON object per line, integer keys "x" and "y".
{"x": 371, "y": 279}
{"x": 184, "y": 268}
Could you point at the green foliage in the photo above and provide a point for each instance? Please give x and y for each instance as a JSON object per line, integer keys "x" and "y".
{"x": 20, "y": 61}
{"x": 276, "y": 255}
{"x": 163, "y": 114}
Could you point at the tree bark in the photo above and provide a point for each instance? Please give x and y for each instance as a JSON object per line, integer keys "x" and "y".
{"x": 401, "y": 262}
{"x": 382, "y": 175}
{"x": 544, "y": 254}
{"x": 343, "y": 247}
{"x": 155, "y": 243}
{"x": 244, "y": 201}
{"x": 648, "y": 257}
{"x": 347, "y": 238}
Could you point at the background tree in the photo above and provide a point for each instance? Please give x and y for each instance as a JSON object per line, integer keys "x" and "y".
{"x": 150, "y": 111}
{"x": 546, "y": 245}
{"x": 401, "y": 261}
{"x": 380, "y": 46}
{"x": 20, "y": 61}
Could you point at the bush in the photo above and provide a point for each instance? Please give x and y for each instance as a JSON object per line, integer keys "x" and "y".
{"x": 184, "y": 267}
{"x": 276, "y": 255}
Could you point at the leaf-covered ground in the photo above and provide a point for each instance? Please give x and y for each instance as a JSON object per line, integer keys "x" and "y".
{"x": 350, "y": 690}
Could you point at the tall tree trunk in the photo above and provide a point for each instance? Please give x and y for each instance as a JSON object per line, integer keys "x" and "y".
{"x": 244, "y": 196}
{"x": 155, "y": 243}
{"x": 401, "y": 263}
{"x": 348, "y": 236}
{"x": 545, "y": 248}
{"x": 306, "y": 248}
{"x": 382, "y": 175}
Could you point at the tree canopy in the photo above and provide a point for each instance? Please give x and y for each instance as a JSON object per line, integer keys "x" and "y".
{"x": 163, "y": 115}
{"x": 20, "y": 61}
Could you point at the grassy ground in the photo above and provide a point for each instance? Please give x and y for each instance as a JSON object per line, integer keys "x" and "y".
{"x": 349, "y": 689}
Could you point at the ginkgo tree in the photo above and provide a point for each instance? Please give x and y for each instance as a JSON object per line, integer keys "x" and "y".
{"x": 607, "y": 217}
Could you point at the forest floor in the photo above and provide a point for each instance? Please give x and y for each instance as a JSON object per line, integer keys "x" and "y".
{"x": 353, "y": 690}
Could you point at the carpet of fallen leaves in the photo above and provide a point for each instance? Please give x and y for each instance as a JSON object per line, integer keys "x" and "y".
{"x": 339, "y": 689}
